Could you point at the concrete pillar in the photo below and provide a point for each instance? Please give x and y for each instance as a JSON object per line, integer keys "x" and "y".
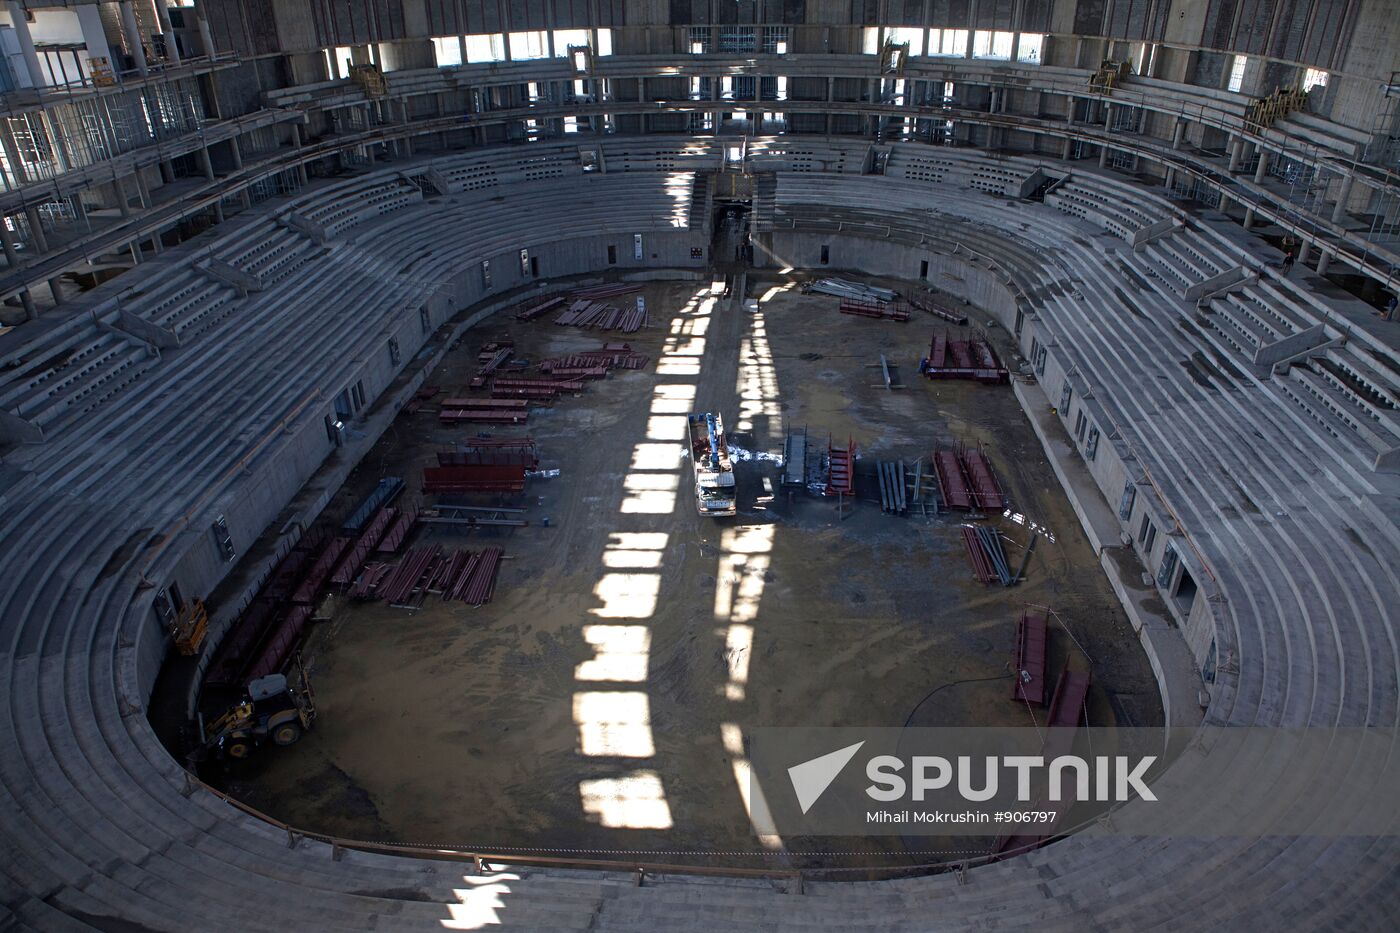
{"x": 26, "y": 45}
{"x": 1170, "y": 179}
{"x": 135, "y": 249}
{"x": 218, "y": 212}
{"x": 1248, "y": 217}
{"x": 1107, "y": 115}
{"x": 1343, "y": 195}
{"x": 236, "y": 153}
{"x": 156, "y": 245}
{"x": 81, "y": 210}
{"x": 167, "y": 171}
{"x": 143, "y": 189}
{"x": 1236, "y": 152}
{"x": 1305, "y": 251}
{"x": 36, "y": 229}
{"x": 205, "y": 163}
{"x": 1064, "y": 148}
{"x": 132, "y": 32}
{"x": 1324, "y": 261}
{"x": 1103, "y": 156}
{"x": 55, "y": 287}
{"x": 1178, "y": 133}
{"x": 120, "y": 188}
{"x": 7, "y": 239}
{"x": 171, "y": 52}
{"x": 206, "y": 38}
{"x": 94, "y": 35}
{"x": 462, "y": 48}
{"x": 1262, "y": 168}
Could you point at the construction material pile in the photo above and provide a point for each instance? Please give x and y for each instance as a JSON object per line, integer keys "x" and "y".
{"x": 534, "y": 309}
{"x": 466, "y": 576}
{"x": 985, "y": 553}
{"x": 927, "y": 304}
{"x": 973, "y": 358}
{"x": 896, "y": 310}
{"x": 966, "y": 480}
{"x": 265, "y": 635}
{"x": 599, "y": 315}
{"x": 610, "y": 356}
{"x": 855, "y": 291}
{"x": 489, "y": 358}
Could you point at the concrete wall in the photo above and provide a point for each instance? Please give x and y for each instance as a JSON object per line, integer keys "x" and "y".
{"x": 297, "y": 450}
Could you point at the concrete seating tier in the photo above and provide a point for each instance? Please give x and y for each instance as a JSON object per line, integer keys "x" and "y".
{"x": 101, "y": 830}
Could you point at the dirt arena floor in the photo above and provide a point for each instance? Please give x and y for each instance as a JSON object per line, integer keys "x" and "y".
{"x": 598, "y": 704}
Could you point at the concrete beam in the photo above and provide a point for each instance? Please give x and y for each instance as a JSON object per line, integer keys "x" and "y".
{"x": 309, "y": 228}
{"x": 1218, "y": 283}
{"x": 1291, "y": 347}
{"x": 145, "y": 331}
{"x": 1155, "y": 231}
{"x": 230, "y": 275}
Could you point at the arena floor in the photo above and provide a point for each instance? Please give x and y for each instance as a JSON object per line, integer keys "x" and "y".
{"x": 598, "y": 704}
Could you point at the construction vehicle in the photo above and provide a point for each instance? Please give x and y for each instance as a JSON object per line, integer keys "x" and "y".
{"x": 714, "y": 473}
{"x": 272, "y": 710}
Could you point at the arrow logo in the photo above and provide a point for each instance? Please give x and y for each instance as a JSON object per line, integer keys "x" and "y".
{"x": 811, "y": 778}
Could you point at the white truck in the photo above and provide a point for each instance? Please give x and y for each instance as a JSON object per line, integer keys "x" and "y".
{"x": 714, "y": 473}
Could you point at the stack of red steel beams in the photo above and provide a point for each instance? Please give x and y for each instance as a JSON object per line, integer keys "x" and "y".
{"x": 419, "y": 397}
{"x": 277, "y": 648}
{"x": 951, "y": 483}
{"x": 400, "y": 585}
{"x": 366, "y": 586}
{"x": 528, "y": 382}
{"x": 1068, "y": 702}
{"x": 492, "y": 357}
{"x": 394, "y": 535}
{"x": 925, "y": 304}
{"x": 516, "y": 450}
{"x": 840, "y": 470}
{"x": 530, "y": 311}
{"x": 364, "y": 545}
{"x": 504, "y": 404}
{"x": 580, "y": 372}
{"x": 608, "y": 291}
{"x": 481, "y": 585}
{"x": 880, "y": 310}
{"x": 320, "y": 571}
{"x": 483, "y": 415}
{"x": 962, "y": 359}
{"x": 1029, "y": 666}
{"x": 977, "y": 556}
{"x": 986, "y": 494}
{"x": 475, "y": 477}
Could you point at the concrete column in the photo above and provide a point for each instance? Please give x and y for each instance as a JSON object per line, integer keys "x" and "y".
{"x": 94, "y": 35}
{"x": 167, "y": 171}
{"x": 1103, "y": 156}
{"x": 1248, "y": 217}
{"x": 156, "y": 244}
{"x": 26, "y": 45}
{"x": 1343, "y": 195}
{"x": 462, "y": 48}
{"x": 1236, "y": 151}
{"x": 143, "y": 190}
{"x": 36, "y": 229}
{"x": 236, "y": 153}
{"x": 1064, "y": 149}
{"x": 1262, "y": 168}
{"x": 205, "y": 163}
{"x": 206, "y": 38}
{"x": 120, "y": 188}
{"x": 1305, "y": 251}
{"x": 171, "y": 52}
{"x": 81, "y": 210}
{"x": 55, "y": 287}
{"x": 1178, "y": 133}
{"x": 218, "y": 212}
{"x": 135, "y": 249}
{"x": 132, "y": 32}
{"x": 1324, "y": 261}
{"x": 7, "y": 239}
{"x": 1170, "y": 179}
{"x": 1107, "y": 115}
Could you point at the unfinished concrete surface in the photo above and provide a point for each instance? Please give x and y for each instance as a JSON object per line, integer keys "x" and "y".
{"x": 598, "y": 705}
